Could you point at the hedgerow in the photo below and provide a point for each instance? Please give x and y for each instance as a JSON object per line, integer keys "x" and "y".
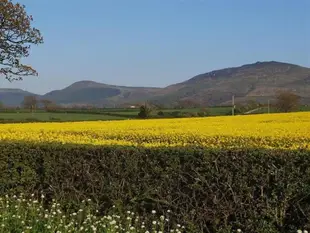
{"x": 208, "y": 190}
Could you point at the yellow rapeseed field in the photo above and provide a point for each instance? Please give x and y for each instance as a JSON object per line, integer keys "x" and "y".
{"x": 269, "y": 131}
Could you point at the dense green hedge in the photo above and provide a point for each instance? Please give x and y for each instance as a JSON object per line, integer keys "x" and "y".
{"x": 255, "y": 190}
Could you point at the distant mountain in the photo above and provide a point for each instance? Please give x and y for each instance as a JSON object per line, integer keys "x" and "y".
{"x": 13, "y": 97}
{"x": 259, "y": 81}
{"x": 89, "y": 92}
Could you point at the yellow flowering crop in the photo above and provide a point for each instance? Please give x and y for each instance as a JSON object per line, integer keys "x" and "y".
{"x": 290, "y": 131}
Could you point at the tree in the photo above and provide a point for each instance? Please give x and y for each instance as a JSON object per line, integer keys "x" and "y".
{"x": 161, "y": 113}
{"x": 47, "y": 104}
{"x": 16, "y": 37}
{"x": 287, "y": 101}
{"x": 30, "y": 102}
{"x": 145, "y": 112}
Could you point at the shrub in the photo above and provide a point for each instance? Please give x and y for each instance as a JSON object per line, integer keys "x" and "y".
{"x": 256, "y": 190}
{"x": 160, "y": 113}
{"x": 54, "y": 119}
{"x": 188, "y": 114}
{"x": 203, "y": 113}
{"x": 176, "y": 113}
{"x": 145, "y": 112}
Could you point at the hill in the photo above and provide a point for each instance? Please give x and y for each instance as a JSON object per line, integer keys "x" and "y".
{"x": 89, "y": 92}
{"x": 259, "y": 81}
{"x": 13, "y": 97}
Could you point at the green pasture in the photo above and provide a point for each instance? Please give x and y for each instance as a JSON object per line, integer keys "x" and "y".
{"x": 46, "y": 116}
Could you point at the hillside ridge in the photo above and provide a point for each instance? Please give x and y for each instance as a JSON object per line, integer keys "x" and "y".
{"x": 259, "y": 81}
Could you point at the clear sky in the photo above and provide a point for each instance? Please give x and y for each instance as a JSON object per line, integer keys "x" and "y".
{"x": 160, "y": 42}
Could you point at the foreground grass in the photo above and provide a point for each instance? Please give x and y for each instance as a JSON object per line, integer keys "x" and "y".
{"x": 21, "y": 214}
{"x": 27, "y": 215}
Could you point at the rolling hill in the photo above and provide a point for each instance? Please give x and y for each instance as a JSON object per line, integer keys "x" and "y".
{"x": 259, "y": 81}
{"x": 13, "y": 97}
{"x": 89, "y": 92}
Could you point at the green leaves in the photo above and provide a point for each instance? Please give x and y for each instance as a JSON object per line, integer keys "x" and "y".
{"x": 16, "y": 37}
{"x": 256, "y": 190}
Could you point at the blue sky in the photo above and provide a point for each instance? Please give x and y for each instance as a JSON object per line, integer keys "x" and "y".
{"x": 160, "y": 42}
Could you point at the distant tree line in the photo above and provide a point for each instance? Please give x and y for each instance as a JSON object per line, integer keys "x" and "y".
{"x": 32, "y": 103}
{"x": 284, "y": 101}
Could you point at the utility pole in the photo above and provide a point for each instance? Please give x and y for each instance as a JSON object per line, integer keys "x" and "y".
{"x": 233, "y": 105}
{"x": 268, "y": 106}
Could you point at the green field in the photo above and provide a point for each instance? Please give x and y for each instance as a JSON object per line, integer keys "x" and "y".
{"x": 24, "y": 115}
{"x": 46, "y": 116}
{"x": 263, "y": 110}
{"x": 213, "y": 111}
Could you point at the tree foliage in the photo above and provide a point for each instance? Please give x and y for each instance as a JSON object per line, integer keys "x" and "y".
{"x": 30, "y": 102}
{"x": 48, "y": 105}
{"x": 145, "y": 111}
{"x": 287, "y": 101}
{"x": 16, "y": 37}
